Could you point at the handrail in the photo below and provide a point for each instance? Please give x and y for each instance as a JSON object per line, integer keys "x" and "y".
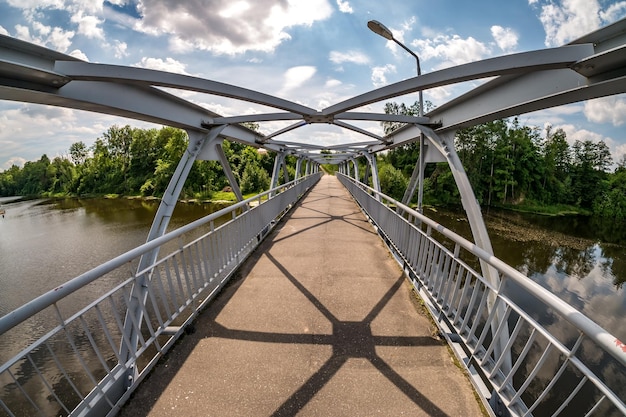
{"x": 458, "y": 298}
{"x": 85, "y": 315}
{"x": 594, "y": 331}
{"x": 45, "y": 300}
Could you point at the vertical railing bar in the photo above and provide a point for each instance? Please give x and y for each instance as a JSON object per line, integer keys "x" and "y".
{"x": 86, "y": 369}
{"x": 468, "y": 312}
{"x": 479, "y": 312}
{"x": 93, "y": 344}
{"x": 171, "y": 280}
{"x": 192, "y": 268}
{"x": 509, "y": 343}
{"x": 25, "y": 394}
{"x": 449, "y": 285}
{"x": 501, "y": 325}
{"x": 533, "y": 373}
{"x": 197, "y": 267}
{"x": 147, "y": 321}
{"x": 444, "y": 276}
{"x": 214, "y": 257}
{"x": 202, "y": 269}
{"x": 556, "y": 377}
{"x": 187, "y": 284}
{"x": 595, "y": 407}
{"x": 413, "y": 246}
{"x": 6, "y": 408}
{"x": 582, "y": 382}
{"x": 462, "y": 297}
{"x": 452, "y": 288}
{"x": 157, "y": 275}
{"x": 133, "y": 317}
{"x": 120, "y": 328}
{"x": 179, "y": 282}
{"x": 62, "y": 369}
{"x": 153, "y": 300}
{"x": 421, "y": 257}
{"x": 45, "y": 382}
{"x": 521, "y": 357}
{"x": 432, "y": 266}
{"x": 205, "y": 260}
{"x": 426, "y": 256}
{"x": 107, "y": 333}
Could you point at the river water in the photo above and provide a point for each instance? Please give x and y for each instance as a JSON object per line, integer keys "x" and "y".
{"x": 44, "y": 243}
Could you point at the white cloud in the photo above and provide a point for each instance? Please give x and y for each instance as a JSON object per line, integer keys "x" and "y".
{"x": 77, "y": 53}
{"x": 236, "y": 28}
{"x": 3, "y": 31}
{"x": 610, "y": 109}
{"x": 570, "y": 19}
{"x": 379, "y": 74}
{"x": 505, "y": 38}
{"x": 451, "y": 50}
{"x": 88, "y": 26}
{"x": 14, "y": 160}
{"x": 169, "y": 65}
{"x": 332, "y": 83}
{"x": 354, "y": 57}
{"x": 344, "y": 6}
{"x": 121, "y": 49}
{"x": 614, "y": 12}
{"x": 296, "y": 76}
{"x": 54, "y": 38}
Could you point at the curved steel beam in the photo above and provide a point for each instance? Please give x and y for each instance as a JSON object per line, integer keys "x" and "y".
{"x": 524, "y": 62}
{"x": 102, "y": 72}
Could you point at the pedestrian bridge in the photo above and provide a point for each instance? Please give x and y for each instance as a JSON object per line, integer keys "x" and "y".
{"x": 311, "y": 305}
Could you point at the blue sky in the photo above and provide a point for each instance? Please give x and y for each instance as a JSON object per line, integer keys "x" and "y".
{"x": 315, "y": 52}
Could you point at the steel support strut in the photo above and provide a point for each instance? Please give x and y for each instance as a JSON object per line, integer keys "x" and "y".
{"x": 445, "y": 145}
{"x": 139, "y": 291}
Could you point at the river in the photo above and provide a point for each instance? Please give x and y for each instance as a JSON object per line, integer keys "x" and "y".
{"x": 44, "y": 243}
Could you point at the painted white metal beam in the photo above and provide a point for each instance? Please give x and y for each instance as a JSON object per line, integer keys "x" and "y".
{"x": 520, "y": 63}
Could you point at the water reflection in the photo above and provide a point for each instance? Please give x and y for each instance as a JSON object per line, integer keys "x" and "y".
{"x": 573, "y": 257}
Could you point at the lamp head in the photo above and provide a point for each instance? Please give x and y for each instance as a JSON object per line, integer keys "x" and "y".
{"x": 380, "y": 29}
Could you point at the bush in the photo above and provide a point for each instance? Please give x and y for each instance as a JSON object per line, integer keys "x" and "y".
{"x": 254, "y": 179}
{"x": 392, "y": 182}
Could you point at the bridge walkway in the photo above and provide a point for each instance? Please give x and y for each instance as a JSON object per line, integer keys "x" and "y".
{"x": 320, "y": 321}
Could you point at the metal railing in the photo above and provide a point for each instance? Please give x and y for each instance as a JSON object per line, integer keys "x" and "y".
{"x": 559, "y": 361}
{"x": 69, "y": 361}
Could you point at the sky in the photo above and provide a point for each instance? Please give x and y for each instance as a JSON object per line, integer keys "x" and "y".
{"x": 314, "y": 52}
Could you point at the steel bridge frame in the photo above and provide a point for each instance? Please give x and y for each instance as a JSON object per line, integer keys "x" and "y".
{"x": 590, "y": 67}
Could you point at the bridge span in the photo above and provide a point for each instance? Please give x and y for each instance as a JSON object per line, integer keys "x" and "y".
{"x": 331, "y": 335}
{"x": 319, "y": 321}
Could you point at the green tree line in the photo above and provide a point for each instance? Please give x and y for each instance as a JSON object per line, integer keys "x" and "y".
{"x": 132, "y": 161}
{"x": 507, "y": 164}
{"x": 513, "y": 165}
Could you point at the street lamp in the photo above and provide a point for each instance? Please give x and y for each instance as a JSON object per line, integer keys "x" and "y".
{"x": 382, "y": 30}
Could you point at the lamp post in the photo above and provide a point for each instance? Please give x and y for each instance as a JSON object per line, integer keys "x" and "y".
{"x": 382, "y": 30}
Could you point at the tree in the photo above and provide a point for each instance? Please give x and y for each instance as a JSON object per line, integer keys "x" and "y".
{"x": 591, "y": 161}
{"x": 78, "y": 152}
